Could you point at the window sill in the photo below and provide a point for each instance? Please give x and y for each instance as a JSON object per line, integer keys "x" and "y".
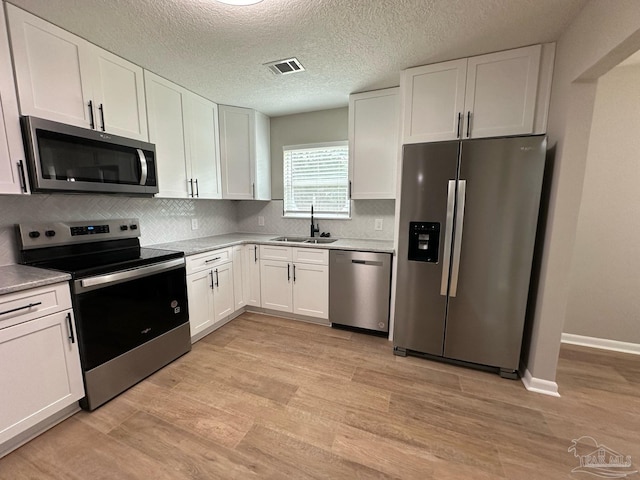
{"x": 315, "y": 217}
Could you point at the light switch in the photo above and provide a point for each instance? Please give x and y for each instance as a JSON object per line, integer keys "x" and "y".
{"x": 378, "y": 224}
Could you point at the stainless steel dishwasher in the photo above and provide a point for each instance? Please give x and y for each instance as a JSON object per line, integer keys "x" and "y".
{"x": 359, "y": 290}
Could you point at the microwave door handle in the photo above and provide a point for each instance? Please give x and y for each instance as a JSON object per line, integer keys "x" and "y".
{"x": 143, "y": 166}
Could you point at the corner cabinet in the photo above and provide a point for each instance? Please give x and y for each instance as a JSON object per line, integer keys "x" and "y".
{"x": 63, "y": 78}
{"x": 12, "y": 173}
{"x": 295, "y": 280}
{"x": 184, "y": 128}
{"x": 491, "y": 95}
{"x": 374, "y": 127}
{"x": 210, "y": 287}
{"x": 41, "y": 374}
{"x": 245, "y": 155}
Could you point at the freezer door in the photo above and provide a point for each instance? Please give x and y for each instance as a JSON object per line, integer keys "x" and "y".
{"x": 428, "y": 189}
{"x": 503, "y": 183}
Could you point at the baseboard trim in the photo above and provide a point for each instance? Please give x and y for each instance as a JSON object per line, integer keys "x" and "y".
{"x": 538, "y": 385}
{"x": 601, "y": 343}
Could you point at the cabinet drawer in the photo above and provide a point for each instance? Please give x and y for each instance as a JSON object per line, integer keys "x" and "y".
{"x": 316, "y": 256}
{"x": 202, "y": 261}
{"x": 30, "y": 304}
{"x": 275, "y": 252}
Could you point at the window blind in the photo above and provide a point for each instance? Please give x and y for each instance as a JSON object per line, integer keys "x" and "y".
{"x": 317, "y": 175}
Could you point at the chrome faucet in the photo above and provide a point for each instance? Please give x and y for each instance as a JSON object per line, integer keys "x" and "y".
{"x": 314, "y": 228}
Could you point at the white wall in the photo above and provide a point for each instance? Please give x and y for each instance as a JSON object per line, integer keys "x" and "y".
{"x": 604, "y": 287}
{"x": 603, "y": 34}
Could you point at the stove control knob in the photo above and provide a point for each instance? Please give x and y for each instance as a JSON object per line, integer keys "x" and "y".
{"x": 124, "y": 227}
{"x": 50, "y": 233}
{"x": 34, "y": 234}
{"x": 133, "y": 226}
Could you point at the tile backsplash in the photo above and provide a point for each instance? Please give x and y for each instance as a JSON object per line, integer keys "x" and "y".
{"x": 361, "y": 225}
{"x": 161, "y": 220}
{"x": 167, "y": 220}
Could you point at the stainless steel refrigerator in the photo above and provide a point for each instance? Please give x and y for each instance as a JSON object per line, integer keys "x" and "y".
{"x": 468, "y": 217}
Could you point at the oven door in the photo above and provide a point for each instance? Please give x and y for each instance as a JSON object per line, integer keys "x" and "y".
{"x": 117, "y": 312}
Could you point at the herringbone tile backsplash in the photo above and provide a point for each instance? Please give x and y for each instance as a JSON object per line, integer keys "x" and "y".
{"x": 166, "y": 220}
{"x": 161, "y": 220}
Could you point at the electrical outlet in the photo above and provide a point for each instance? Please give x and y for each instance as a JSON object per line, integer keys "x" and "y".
{"x": 194, "y": 224}
{"x": 261, "y": 221}
{"x": 378, "y": 224}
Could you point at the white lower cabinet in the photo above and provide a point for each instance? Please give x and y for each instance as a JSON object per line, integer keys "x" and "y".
{"x": 40, "y": 374}
{"x": 293, "y": 284}
{"x": 210, "y": 289}
{"x": 251, "y": 275}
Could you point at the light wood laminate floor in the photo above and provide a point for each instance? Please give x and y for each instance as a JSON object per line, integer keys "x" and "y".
{"x": 265, "y": 397}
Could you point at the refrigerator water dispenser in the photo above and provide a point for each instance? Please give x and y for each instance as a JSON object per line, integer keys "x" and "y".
{"x": 424, "y": 241}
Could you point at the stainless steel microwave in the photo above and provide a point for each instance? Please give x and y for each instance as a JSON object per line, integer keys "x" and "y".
{"x": 67, "y": 159}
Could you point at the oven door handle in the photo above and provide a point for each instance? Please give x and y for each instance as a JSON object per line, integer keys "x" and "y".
{"x": 101, "y": 281}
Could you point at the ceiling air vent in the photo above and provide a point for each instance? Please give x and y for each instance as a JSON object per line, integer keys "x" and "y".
{"x": 285, "y": 67}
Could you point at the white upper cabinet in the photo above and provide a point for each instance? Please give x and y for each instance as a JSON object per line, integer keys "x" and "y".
{"x": 184, "y": 128}
{"x": 433, "y": 98}
{"x": 64, "y": 78}
{"x": 374, "y": 125}
{"x": 244, "y": 154}
{"x": 12, "y": 179}
{"x": 485, "y": 96}
{"x": 203, "y": 146}
{"x": 118, "y": 94}
{"x": 501, "y": 93}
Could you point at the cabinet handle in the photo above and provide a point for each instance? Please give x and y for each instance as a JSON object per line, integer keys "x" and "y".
{"x": 288, "y": 274}
{"x": 101, "y": 109}
{"x": 468, "y": 124}
{"x": 71, "y": 337}
{"x": 294, "y": 273}
{"x": 190, "y": 193}
{"x": 21, "y": 308}
{"x": 212, "y": 260}
{"x": 211, "y": 273}
{"x": 255, "y": 254}
{"x": 23, "y": 179}
{"x": 197, "y": 189}
{"x": 217, "y": 279}
{"x": 349, "y": 189}
{"x": 459, "y": 121}
{"x": 92, "y": 124}
{"x": 253, "y": 190}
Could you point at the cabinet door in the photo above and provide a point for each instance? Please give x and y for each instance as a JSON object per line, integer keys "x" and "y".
{"x": 41, "y": 372}
{"x": 501, "y": 93}
{"x": 237, "y": 152}
{"x": 374, "y": 124}
{"x": 200, "y": 295}
{"x": 311, "y": 290}
{"x": 11, "y": 150}
{"x": 433, "y": 98}
{"x": 252, "y": 274}
{"x": 276, "y": 285}
{"x": 51, "y": 68}
{"x": 202, "y": 142}
{"x": 223, "y": 300}
{"x": 165, "y": 102}
{"x": 118, "y": 94}
{"x": 240, "y": 274}
{"x": 262, "y": 161}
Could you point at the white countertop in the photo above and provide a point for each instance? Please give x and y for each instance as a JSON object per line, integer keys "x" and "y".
{"x": 15, "y": 278}
{"x": 205, "y": 244}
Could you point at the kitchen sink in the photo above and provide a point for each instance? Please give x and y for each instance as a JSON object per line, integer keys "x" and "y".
{"x": 318, "y": 240}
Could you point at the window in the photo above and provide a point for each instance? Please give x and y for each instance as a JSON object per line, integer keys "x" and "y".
{"x": 317, "y": 175}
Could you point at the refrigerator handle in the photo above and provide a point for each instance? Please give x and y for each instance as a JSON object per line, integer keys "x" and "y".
{"x": 448, "y": 233}
{"x": 457, "y": 243}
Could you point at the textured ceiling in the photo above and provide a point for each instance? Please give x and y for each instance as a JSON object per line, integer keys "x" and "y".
{"x": 346, "y": 46}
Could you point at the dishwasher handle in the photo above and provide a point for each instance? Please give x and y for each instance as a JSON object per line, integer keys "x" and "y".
{"x": 367, "y": 262}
